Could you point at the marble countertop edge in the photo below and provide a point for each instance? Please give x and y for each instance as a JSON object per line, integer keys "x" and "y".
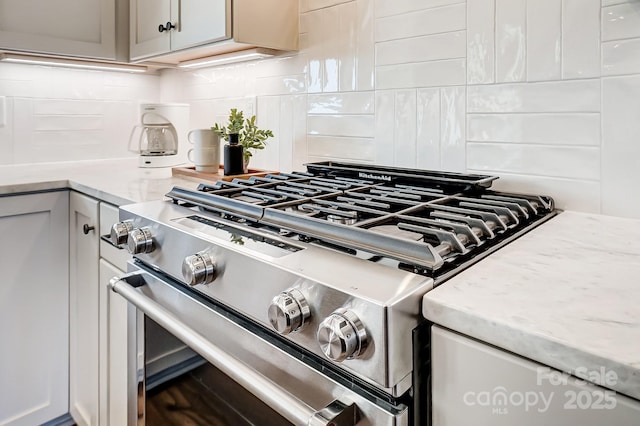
{"x": 118, "y": 181}
{"x": 538, "y": 347}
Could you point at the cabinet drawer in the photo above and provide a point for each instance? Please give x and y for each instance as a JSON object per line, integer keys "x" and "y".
{"x": 116, "y": 256}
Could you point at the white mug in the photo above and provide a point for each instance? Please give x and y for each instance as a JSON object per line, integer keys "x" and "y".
{"x": 203, "y": 138}
{"x": 205, "y": 154}
{"x": 206, "y": 159}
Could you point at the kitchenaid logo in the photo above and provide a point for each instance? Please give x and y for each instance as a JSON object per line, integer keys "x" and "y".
{"x": 551, "y": 388}
{"x": 372, "y": 176}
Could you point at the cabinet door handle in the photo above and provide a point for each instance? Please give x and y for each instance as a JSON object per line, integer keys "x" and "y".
{"x": 86, "y": 228}
{"x": 167, "y": 27}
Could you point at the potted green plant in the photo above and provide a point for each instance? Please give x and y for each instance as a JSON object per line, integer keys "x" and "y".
{"x": 250, "y": 137}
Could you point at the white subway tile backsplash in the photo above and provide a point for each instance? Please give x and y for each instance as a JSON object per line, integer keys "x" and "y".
{"x": 556, "y": 129}
{"x": 287, "y": 64}
{"x": 544, "y": 40}
{"x": 365, "y": 50}
{"x": 333, "y": 49}
{"x": 621, "y": 21}
{"x": 281, "y": 85}
{"x": 421, "y": 49}
{"x": 44, "y": 123}
{"x": 339, "y": 47}
{"x": 299, "y": 131}
{"x": 397, "y": 7}
{"x": 275, "y": 113}
{"x": 452, "y": 128}
{"x": 620, "y": 147}
{"x": 423, "y": 22}
{"x": 125, "y": 113}
{"x": 313, "y": 51}
{"x": 268, "y": 117}
{"x": 341, "y": 125}
{"x": 580, "y": 38}
{"x": 568, "y": 194}
{"x": 553, "y": 161}
{"x": 511, "y": 30}
{"x": 564, "y": 96}
{"x": 428, "y": 129}
{"x": 422, "y": 74}
{"x": 384, "y": 126}
{"x": 16, "y": 88}
{"x": 621, "y": 57}
{"x": 480, "y": 41}
{"x": 344, "y": 148}
{"x": 63, "y": 107}
{"x": 404, "y": 143}
{"x": 342, "y": 103}
{"x": 347, "y": 46}
{"x": 6, "y": 134}
{"x": 284, "y": 138}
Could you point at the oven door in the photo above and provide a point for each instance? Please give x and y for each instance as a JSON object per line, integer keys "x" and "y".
{"x": 253, "y": 371}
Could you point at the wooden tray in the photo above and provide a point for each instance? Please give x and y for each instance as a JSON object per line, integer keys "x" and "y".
{"x": 192, "y": 173}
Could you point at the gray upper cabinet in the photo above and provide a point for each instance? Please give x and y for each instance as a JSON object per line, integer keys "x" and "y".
{"x": 171, "y": 31}
{"x": 84, "y": 28}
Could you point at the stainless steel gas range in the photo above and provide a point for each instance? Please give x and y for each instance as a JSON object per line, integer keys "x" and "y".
{"x": 305, "y": 288}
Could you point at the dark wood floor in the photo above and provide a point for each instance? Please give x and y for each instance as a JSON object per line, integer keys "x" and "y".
{"x": 206, "y": 397}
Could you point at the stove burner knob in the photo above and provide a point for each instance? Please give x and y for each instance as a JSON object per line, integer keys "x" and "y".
{"x": 289, "y": 311}
{"x": 198, "y": 268}
{"x": 342, "y": 336}
{"x": 140, "y": 240}
{"x": 120, "y": 232}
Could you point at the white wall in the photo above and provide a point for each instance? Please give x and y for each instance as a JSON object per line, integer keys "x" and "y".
{"x": 543, "y": 93}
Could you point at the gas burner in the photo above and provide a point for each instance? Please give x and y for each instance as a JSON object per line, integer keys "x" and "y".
{"x": 343, "y": 218}
{"x": 428, "y": 221}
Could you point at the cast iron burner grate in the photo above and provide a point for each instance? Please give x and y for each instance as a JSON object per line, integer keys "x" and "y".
{"x": 426, "y": 222}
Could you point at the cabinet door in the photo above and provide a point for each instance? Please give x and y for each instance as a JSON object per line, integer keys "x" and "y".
{"x": 114, "y": 352}
{"x": 68, "y": 27}
{"x": 34, "y": 306}
{"x": 477, "y": 384}
{"x": 199, "y": 22}
{"x": 145, "y": 16}
{"x": 83, "y": 309}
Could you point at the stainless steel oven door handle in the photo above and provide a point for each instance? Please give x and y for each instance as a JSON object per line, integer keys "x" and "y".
{"x": 337, "y": 413}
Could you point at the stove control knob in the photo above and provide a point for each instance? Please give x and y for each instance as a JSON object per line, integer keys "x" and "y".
{"x": 120, "y": 232}
{"x": 140, "y": 240}
{"x": 342, "y": 336}
{"x": 289, "y": 311}
{"x": 198, "y": 268}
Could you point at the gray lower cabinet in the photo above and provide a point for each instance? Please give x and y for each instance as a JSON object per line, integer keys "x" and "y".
{"x": 97, "y": 317}
{"x": 114, "y": 311}
{"x": 474, "y": 383}
{"x": 114, "y": 350}
{"x": 83, "y": 309}
{"x": 34, "y": 308}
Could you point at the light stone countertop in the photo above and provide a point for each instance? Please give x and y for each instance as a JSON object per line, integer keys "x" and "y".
{"x": 566, "y": 295}
{"x": 118, "y": 181}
